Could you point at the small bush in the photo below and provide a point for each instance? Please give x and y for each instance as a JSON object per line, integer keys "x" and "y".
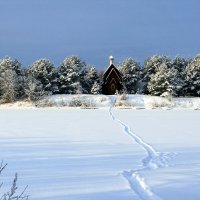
{"x": 84, "y": 103}
{"x": 197, "y": 105}
{"x": 122, "y": 97}
{"x": 63, "y": 103}
{"x": 88, "y": 104}
{"x": 101, "y": 99}
{"x": 44, "y": 103}
{"x": 11, "y": 195}
{"x": 121, "y": 101}
{"x": 75, "y": 102}
{"x": 159, "y": 103}
{"x": 122, "y": 104}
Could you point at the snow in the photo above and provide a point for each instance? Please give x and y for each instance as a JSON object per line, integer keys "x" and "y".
{"x": 102, "y": 153}
{"x": 103, "y": 101}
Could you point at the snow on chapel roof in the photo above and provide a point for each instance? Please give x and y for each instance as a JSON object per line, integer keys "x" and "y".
{"x": 110, "y": 68}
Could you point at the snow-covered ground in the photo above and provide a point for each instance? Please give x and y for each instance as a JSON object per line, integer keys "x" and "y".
{"x": 91, "y": 154}
{"x": 102, "y": 101}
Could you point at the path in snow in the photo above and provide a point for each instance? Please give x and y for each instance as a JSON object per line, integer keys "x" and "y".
{"x": 153, "y": 160}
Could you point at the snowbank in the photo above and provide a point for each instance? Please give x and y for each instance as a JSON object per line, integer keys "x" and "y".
{"x": 104, "y": 101}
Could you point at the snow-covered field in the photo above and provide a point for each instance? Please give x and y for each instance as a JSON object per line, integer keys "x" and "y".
{"x": 91, "y": 154}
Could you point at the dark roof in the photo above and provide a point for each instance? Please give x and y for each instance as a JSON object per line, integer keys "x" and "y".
{"x": 109, "y": 70}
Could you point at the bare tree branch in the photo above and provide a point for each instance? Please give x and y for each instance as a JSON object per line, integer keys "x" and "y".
{"x": 11, "y": 195}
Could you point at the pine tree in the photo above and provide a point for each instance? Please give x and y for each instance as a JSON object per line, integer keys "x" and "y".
{"x": 162, "y": 81}
{"x": 179, "y": 64}
{"x": 9, "y": 85}
{"x": 130, "y": 71}
{"x": 151, "y": 66}
{"x": 89, "y": 79}
{"x": 96, "y": 88}
{"x": 33, "y": 89}
{"x": 71, "y": 73}
{"x": 8, "y": 63}
{"x": 192, "y": 73}
{"x": 43, "y": 70}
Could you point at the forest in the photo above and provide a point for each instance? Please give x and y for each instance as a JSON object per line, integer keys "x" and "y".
{"x": 178, "y": 76}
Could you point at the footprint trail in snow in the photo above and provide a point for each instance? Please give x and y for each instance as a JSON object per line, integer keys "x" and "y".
{"x": 153, "y": 160}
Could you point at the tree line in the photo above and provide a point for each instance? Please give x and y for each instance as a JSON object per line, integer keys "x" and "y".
{"x": 158, "y": 74}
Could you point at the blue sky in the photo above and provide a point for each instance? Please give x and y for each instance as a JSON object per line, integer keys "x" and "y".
{"x": 94, "y": 29}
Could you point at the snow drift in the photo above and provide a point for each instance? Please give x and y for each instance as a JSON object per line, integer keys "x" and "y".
{"x": 103, "y": 101}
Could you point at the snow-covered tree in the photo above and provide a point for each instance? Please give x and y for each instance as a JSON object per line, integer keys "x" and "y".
{"x": 192, "y": 73}
{"x": 179, "y": 64}
{"x": 43, "y": 70}
{"x": 96, "y": 88}
{"x": 130, "y": 71}
{"x": 162, "y": 81}
{"x": 71, "y": 73}
{"x": 78, "y": 88}
{"x": 151, "y": 66}
{"x": 9, "y": 64}
{"x": 89, "y": 79}
{"x": 9, "y": 86}
{"x": 33, "y": 89}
